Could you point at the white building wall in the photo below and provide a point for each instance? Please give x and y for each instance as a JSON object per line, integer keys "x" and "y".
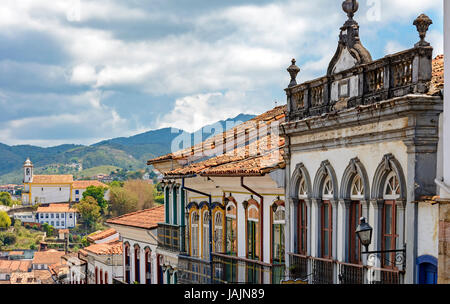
{"x": 428, "y": 223}
{"x": 50, "y": 194}
{"x": 445, "y": 193}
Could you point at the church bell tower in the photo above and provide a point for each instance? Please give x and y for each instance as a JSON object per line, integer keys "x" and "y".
{"x": 28, "y": 171}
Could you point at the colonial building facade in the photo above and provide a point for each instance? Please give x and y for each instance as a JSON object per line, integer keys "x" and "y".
{"x": 362, "y": 142}
{"x": 47, "y": 189}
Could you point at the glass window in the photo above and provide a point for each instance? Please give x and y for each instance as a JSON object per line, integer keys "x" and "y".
{"x": 278, "y": 235}
{"x": 205, "y": 235}
{"x": 357, "y": 188}
{"x": 389, "y": 232}
{"x": 353, "y": 242}
{"x": 231, "y": 229}
{"x": 52, "y": 215}
{"x": 218, "y": 232}
{"x": 253, "y": 234}
{"x": 326, "y": 224}
{"x": 194, "y": 233}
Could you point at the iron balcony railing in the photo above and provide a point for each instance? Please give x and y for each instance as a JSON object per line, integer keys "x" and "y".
{"x": 192, "y": 270}
{"x": 323, "y": 271}
{"x": 229, "y": 269}
{"x": 170, "y": 237}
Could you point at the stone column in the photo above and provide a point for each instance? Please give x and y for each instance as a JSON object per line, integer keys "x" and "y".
{"x": 445, "y": 193}
{"x": 376, "y": 213}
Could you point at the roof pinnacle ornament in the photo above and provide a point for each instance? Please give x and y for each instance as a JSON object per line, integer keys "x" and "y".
{"x": 293, "y": 71}
{"x": 422, "y": 24}
{"x": 350, "y": 7}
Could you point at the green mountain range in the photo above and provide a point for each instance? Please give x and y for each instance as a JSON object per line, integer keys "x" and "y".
{"x": 129, "y": 153}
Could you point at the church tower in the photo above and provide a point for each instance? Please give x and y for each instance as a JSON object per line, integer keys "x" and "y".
{"x": 27, "y": 171}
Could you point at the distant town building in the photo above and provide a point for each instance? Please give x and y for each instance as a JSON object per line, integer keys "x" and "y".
{"x": 60, "y": 216}
{"x": 53, "y": 188}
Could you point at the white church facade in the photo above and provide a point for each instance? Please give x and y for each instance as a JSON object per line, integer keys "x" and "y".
{"x": 45, "y": 189}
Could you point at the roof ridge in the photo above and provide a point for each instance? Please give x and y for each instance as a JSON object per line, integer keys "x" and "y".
{"x": 133, "y": 213}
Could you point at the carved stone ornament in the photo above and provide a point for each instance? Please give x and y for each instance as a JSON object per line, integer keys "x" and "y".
{"x": 422, "y": 24}
{"x": 349, "y": 38}
{"x": 293, "y": 71}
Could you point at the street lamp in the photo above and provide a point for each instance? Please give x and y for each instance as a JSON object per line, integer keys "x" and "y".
{"x": 364, "y": 233}
{"x": 391, "y": 257}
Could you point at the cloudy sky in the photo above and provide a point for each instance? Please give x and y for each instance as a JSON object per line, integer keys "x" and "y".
{"x": 79, "y": 71}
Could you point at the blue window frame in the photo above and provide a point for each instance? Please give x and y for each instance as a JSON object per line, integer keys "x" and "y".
{"x": 427, "y": 269}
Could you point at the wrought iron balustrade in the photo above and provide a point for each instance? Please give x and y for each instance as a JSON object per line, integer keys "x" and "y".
{"x": 322, "y": 271}
{"x": 192, "y": 270}
{"x": 298, "y": 266}
{"x": 237, "y": 270}
{"x": 351, "y": 273}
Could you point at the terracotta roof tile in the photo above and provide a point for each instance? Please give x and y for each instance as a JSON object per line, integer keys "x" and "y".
{"x": 48, "y": 257}
{"x": 83, "y": 184}
{"x": 147, "y": 219}
{"x": 99, "y": 235}
{"x": 52, "y": 179}
{"x": 110, "y": 248}
{"x": 56, "y": 208}
{"x": 7, "y": 266}
{"x": 437, "y": 81}
{"x": 216, "y": 142}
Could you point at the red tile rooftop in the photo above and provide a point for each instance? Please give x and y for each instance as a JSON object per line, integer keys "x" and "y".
{"x": 147, "y": 219}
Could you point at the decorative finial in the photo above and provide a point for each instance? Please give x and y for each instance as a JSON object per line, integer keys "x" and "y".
{"x": 422, "y": 24}
{"x": 350, "y": 7}
{"x": 293, "y": 71}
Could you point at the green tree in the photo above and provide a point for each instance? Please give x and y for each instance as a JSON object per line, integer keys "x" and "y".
{"x": 5, "y": 221}
{"x": 122, "y": 201}
{"x": 5, "y": 199}
{"x": 7, "y": 239}
{"x": 48, "y": 229}
{"x": 90, "y": 211}
{"x": 98, "y": 193}
{"x": 116, "y": 184}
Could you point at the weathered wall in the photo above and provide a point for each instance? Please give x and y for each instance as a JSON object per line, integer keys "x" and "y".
{"x": 444, "y": 244}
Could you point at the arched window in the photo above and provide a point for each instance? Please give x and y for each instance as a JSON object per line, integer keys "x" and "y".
{"x": 96, "y": 275}
{"x": 328, "y": 190}
{"x": 205, "y": 235}
{"x": 302, "y": 218}
{"x": 194, "y": 233}
{"x": 137, "y": 264}
{"x": 389, "y": 218}
{"x": 106, "y": 277}
{"x": 253, "y": 233}
{"x": 101, "y": 276}
{"x": 326, "y": 218}
{"x": 148, "y": 266}
{"x": 127, "y": 263}
{"x": 231, "y": 228}
{"x": 355, "y": 213}
{"x": 218, "y": 232}
{"x": 278, "y": 225}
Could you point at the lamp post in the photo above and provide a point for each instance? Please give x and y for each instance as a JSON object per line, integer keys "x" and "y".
{"x": 364, "y": 233}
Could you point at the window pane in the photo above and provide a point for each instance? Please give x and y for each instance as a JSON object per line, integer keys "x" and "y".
{"x": 325, "y": 244}
{"x": 325, "y": 216}
{"x": 388, "y": 219}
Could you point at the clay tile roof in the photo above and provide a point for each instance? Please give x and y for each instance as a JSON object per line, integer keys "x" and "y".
{"x": 277, "y": 113}
{"x": 110, "y": 248}
{"x": 255, "y": 157}
{"x": 99, "y": 235}
{"x": 83, "y": 184}
{"x": 14, "y": 266}
{"x": 63, "y": 231}
{"x": 147, "y": 219}
{"x": 48, "y": 257}
{"x": 437, "y": 81}
{"x": 52, "y": 179}
{"x": 56, "y": 208}
{"x": 16, "y": 253}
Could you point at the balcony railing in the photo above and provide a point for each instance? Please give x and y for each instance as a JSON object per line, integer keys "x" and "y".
{"x": 228, "y": 269}
{"x": 192, "y": 270}
{"x": 322, "y": 271}
{"x": 392, "y": 76}
{"x": 170, "y": 237}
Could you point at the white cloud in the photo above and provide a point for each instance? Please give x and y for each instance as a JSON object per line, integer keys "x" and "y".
{"x": 193, "y": 112}
{"x": 393, "y": 47}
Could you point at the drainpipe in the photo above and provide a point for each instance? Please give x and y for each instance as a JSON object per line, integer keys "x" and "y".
{"x": 183, "y": 188}
{"x": 261, "y": 216}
